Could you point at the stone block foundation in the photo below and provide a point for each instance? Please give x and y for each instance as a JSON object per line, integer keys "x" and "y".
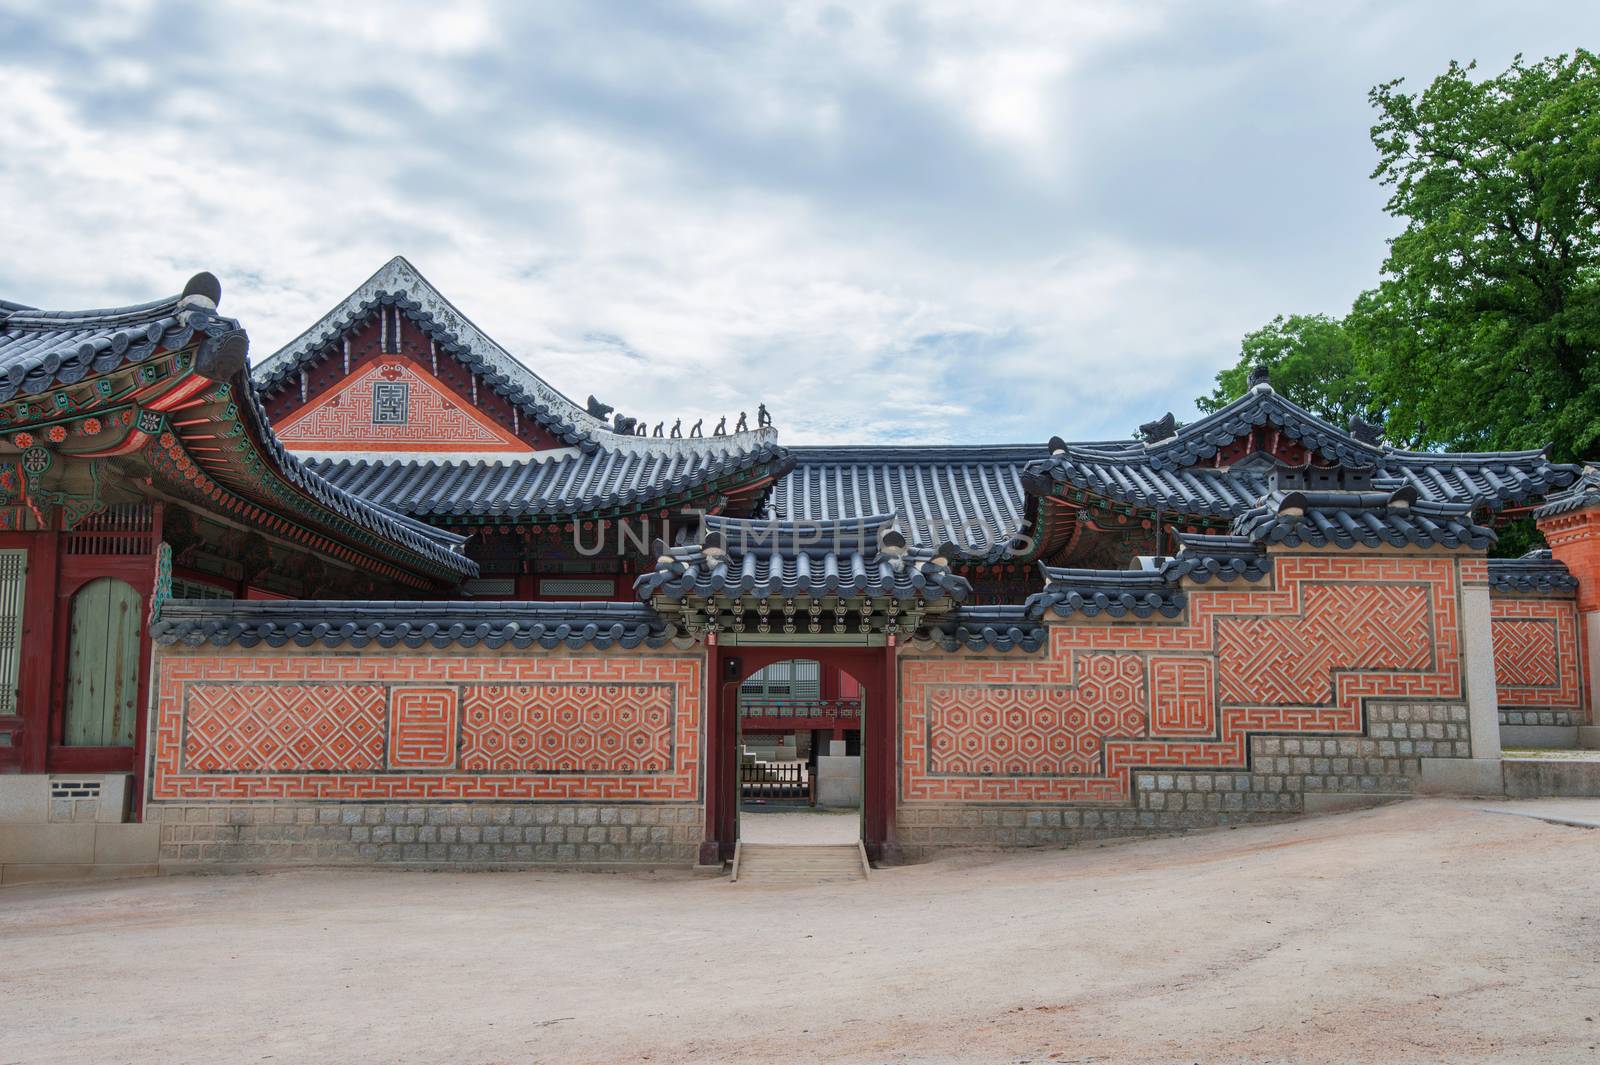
{"x": 1286, "y": 776}
{"x": 425, "y": 835}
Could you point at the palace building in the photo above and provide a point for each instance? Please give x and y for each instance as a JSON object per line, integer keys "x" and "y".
{"x": 389, "y": 596}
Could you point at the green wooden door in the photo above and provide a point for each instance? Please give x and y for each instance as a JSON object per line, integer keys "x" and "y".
{"x": 13, "y": 583}
{"x": 103, "y": 665}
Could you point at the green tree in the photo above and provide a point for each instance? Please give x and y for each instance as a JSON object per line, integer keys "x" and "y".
{"x": 1313, "y": 362}
{"x": 1485, "y": 327}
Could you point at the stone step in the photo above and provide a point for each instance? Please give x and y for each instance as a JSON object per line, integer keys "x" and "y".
{"x": 1530, "y": 774}
{"x": 775, "y": 863}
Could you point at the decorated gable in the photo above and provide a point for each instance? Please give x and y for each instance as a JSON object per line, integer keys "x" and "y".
{"x": 394, "y": 404}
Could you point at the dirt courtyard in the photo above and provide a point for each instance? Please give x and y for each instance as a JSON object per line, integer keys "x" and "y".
{"x": 1430, "y": 931}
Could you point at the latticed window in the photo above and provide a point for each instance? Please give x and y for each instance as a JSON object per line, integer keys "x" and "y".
{"x": 799, "y": 679}
{"x": 187, "y": 589}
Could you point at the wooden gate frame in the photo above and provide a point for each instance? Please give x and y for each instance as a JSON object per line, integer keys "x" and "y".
{"x": 872, "y": 667}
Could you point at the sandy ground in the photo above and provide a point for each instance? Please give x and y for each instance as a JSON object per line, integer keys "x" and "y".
{"x": 1423, "y": 932}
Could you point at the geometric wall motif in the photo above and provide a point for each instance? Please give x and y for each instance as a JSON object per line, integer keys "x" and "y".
{"x": 1031, "y": 730}
{"x": 1182, "y": 696}
{"x": 567, "y": 728}
{"x": 393, "y": 404}
{"x": 1298, "y": 653}
{"x": 1537, "y": 662}
{"x": 1278, "y": 659}
{"x": 422, "y": 727}
{"x": 372, "y": 726}
{"x": 252, "y": 728}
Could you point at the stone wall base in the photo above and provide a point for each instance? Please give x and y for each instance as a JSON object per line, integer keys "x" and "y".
{"x": 1558, "y": 736}
{"x": 1287, "y": 776}
{"x": 424, "y": 835}
{"x": 1533, "y": 716}
{"x": 1534, "y": 778}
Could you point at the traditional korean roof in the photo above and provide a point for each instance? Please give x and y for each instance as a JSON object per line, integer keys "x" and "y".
{"x": 1370, "y": 519}
{"x": 1154, "y": 585}
{"x": 438, "y": 545}
{"x": 1116, "y": 593}
{"x": 564, "y": 483}
{"x": 1583, "y": 492}
{"x": 970, "y": 497}
{"x": 398, "y": 284}
{"x": 1203, "y": 558}
{"x": 1171, "y": 473}
{"x": 1261, "y": 406}
{"x": 220, "y": 449}
{"x": 1536, "y": 571}
{"x": 765, "y": 559}
{"x": 42, "y": 349}
{"x": 223, "y": 623}
{"x": 989, "y": 628}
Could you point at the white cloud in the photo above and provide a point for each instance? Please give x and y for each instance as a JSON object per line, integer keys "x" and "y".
{"x": 943, "y": 222}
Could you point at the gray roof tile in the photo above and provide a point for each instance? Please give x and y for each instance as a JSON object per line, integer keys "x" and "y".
{"x": 971, "y": 497}
{"x": 989, "y": 628}
{"x": 1115, "y": 593}
{"x": 306, "y": 623}
{"x": 42, "y": 349}
{"x": 1537, "y": 571}
{"x": 771, "y": 559}
{"x": 1584, "y": 491}
{"x": 567, "y": 484}
{"x": 1370, "y": 519}
{"x": 1162, "y": 475}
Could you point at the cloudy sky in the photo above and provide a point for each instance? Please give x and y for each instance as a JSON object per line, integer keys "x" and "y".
{"x": 893, "y": 222}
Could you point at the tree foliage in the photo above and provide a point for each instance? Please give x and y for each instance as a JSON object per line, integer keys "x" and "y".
{"x": 1488, "y": 315}
{"x": 1484, "y": 329}
{"x": 1313, "y": 363}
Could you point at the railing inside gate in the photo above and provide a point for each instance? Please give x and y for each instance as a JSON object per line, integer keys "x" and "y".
{"x": 782, "y": 706}
{"x": 775, "y": 781}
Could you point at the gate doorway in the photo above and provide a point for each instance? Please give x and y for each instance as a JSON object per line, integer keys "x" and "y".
{"x": 785, "y": 729}
{"x": 800, "y": 755}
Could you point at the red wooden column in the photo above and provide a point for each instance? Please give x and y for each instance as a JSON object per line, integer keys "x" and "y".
{"x": 31, "y": 731}
{"x": 723, "y": 673}
{"x": 879, "y": 741}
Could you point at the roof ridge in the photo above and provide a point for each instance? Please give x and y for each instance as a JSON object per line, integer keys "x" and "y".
{"x": 43, "y": 319}
{"x": 399, "y": 279}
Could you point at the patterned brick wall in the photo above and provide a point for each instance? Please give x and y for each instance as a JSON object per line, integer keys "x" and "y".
{"x": 392, "y": 404}
{"x": 1537, "y": 659}
{"x": 1351, "y": 651}
{"x": 405, "y": 728}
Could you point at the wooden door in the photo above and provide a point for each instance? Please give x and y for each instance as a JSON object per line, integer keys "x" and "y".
{"x": 13, "y": 586}
{"x": 103, "y": 665}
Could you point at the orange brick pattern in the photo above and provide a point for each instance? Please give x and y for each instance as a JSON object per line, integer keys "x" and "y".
{"x": 433, "y": 728}
{"x": 1574, "y": 539}
{"x": 1537, "y": 662}
{"x": 422, "y": 729}
{"x": 567, "y": 728}
{"x": 1299, "y": 657}
{"x": 341, "y": 419}
{"x": 1036, "y": 731}
{"x": 251, "y": 728}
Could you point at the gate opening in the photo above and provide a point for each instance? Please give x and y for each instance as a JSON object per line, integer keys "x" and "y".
{"x": 799, "y": 728}
{"x": 800, "y": 772}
